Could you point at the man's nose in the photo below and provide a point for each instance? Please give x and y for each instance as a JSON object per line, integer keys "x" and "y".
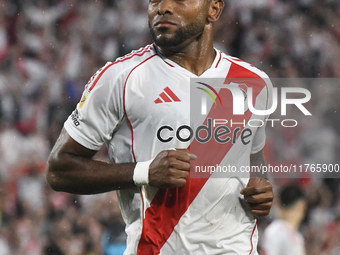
{"x": 165, "y": 6}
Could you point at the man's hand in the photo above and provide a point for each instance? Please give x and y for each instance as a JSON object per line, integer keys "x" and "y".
{"x": 259, "y": 196}
{"x": 170, "y": 168}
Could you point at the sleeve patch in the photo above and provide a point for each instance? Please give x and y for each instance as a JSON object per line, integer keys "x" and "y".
{"x": 83, "y": 99}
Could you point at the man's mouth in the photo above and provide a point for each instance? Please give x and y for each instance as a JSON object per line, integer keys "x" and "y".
{"x": 164, "y": 24}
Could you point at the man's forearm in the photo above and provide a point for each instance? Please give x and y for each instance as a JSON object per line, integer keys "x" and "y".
{"x": 71, "y": 169}
{"x": 87, "y": 176}
{"x": 257, "y": 160}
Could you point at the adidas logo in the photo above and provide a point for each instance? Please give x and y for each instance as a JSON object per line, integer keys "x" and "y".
{"x": 167, "y": 96}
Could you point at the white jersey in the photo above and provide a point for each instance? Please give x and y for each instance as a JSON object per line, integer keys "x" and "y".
{"x": 126, "y": 105}
{"x": 281, "y": 239}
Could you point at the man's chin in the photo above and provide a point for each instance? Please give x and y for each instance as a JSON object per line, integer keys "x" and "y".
{"x": 167, "y": 42}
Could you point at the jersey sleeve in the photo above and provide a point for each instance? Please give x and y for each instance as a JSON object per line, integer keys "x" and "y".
{"x": 99, "y": 111}
{"x": 260, "y": 135}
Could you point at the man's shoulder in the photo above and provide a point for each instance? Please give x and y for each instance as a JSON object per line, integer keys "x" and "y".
{"x": 242, "y": 69}
{"x": 130, "y": 61}
{"x": 116, "y": 72}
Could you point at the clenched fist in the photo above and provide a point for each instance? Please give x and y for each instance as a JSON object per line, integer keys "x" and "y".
{"x": 170, "y": 168}
{"x": 259, "y": 196}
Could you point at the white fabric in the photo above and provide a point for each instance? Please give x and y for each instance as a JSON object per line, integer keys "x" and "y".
{"x": 281, "y": 239}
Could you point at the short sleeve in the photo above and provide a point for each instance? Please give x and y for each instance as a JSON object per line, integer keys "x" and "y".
{"x": 99, "y": 111}
{"x": 260, "y": 135}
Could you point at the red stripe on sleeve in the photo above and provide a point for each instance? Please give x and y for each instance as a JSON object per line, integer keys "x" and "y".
{"x": 127, "y": 57}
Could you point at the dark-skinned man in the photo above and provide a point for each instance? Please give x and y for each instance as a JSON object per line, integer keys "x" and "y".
{"x": 126, "y": 104}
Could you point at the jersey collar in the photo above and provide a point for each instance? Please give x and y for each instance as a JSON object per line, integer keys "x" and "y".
{"x": 173, "y": 64}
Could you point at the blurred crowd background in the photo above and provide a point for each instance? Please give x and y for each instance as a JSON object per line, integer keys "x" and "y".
{"x": 50, "y": 48}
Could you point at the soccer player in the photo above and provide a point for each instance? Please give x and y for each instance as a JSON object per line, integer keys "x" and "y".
{"x": 139, "y": 107}
{"x": 282, "y": 237}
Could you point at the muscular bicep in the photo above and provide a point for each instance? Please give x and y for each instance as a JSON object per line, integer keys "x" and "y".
{"x": 72, "y": 169}
{"x": 66, "y": 144}
{"x": 64, "y": 149}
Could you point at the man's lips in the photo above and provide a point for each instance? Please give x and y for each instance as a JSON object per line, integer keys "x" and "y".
{"x": 164, "y": 23}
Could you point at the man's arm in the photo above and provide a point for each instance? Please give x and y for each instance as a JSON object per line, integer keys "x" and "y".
{"x": 71, "y": 169}
{"x": 259, "y": 192}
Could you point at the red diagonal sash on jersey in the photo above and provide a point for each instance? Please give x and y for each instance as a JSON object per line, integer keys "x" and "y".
{"x": 169, "y": 205}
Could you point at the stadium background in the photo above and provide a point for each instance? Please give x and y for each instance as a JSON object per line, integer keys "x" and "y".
{"x": 50, "y": 48}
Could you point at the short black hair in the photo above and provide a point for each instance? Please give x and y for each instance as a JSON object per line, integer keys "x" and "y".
{"x": 290, "y": 194}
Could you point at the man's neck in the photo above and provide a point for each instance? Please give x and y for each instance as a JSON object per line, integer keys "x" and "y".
{"x": 196, "y": 57}
{"x": 291, "y": 219}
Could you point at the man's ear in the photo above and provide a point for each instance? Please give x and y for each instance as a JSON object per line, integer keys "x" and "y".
{"x": 215, "y": 10}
